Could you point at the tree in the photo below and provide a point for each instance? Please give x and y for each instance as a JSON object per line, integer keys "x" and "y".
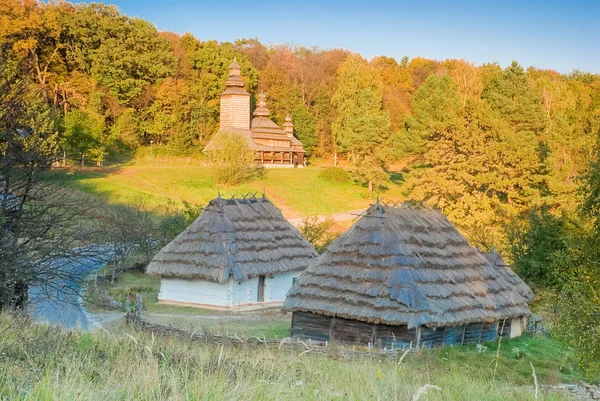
{"x": 304, "y": 128}
{"x": 538, "y": 248}
{"x": 435, "y": 105}
{"x": 361, "y": 127}
{"x": 83, "y": 133}
{"x": 473, "y": 168}
{"x": 397, "y": 89}
{"x": 41, "y": 225}
{"x": 131, "y": 230}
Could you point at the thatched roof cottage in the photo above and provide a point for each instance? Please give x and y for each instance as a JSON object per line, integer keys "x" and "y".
{"x": 402, "y": 276}
{"x": 239, "y": 253}
{"x": 273, "y": 146}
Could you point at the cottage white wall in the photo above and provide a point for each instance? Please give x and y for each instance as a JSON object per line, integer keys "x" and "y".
{"x": 279, "y": 285}
{"x": 194, "y": 291}
{"x": 230, "y": 294}
{"x": 244, "y": 292}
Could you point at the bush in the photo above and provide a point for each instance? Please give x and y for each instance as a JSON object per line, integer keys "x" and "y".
{"x": 335, "y": 174}
{"x": 578, "y": 321}
{"x": 317, "y": 232}
{"x": 232, "y": 159}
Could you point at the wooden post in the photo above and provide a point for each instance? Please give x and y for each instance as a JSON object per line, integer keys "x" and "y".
{"x": 418, "y": 335}
{"x": 262, "y": 157}
{"x": 331, "y": 328}
{"x": 462, "y": 340}
{"x": 480, "y": 333}
{"x": 292, "y": 328}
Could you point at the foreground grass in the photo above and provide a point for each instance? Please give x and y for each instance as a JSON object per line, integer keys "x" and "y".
{"x": 41, "y": 363}
{"x": 298, "y": 192}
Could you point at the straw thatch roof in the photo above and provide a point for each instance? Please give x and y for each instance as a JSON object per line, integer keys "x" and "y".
{"x": 402, "y": 266}
{"x": 495, "y": 260}
{"x": 240, "y": 238}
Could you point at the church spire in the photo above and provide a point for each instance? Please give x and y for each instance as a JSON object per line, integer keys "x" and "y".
{"x": 288, "y": 127}
{"x": 235, "y": 77}
{"x": 235, "y": 101}
{"x": 261, "y": 107}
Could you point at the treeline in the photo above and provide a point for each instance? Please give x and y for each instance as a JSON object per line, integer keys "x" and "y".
{"x": 482, "y": 143}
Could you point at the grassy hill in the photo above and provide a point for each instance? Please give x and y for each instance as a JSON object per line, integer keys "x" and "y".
{"x": 42, "y": 363}
{"x": 297, "y": 192}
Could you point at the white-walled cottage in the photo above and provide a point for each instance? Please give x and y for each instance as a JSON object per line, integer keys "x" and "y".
{"x": 240, "y": 253}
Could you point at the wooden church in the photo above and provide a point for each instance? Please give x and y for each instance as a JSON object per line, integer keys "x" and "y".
{"x": 274, "y": 146}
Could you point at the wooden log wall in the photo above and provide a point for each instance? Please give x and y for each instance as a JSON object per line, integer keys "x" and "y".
{"x": 324, "y": 328}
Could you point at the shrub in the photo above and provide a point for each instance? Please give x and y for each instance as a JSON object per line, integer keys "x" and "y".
{"x": 335, "y": 174}
{"x": 317, "y": 232}
{"x": 232, "y": 159}
{"x": 578, "y": 321}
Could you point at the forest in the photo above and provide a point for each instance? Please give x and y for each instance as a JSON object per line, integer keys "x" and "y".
{"x": 482, "y": 143}
{"x": 510, "y": 155}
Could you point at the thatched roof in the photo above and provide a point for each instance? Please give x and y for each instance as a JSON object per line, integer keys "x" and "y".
{"x": 239, "y": 238}
{"x": 402, "y": 266}
{"x": 495, "y": 260}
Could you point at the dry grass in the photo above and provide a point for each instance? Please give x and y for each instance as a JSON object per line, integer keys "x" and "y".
{"x": 40, "y": 363}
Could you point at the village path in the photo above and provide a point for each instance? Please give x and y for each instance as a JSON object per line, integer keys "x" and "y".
{"x": 336, "y": 217}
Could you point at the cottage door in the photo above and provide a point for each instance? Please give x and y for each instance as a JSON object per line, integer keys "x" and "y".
{"x": 261, "y": 289}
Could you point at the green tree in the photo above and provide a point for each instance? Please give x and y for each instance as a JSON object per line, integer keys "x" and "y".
{"x": 304, "y": 128}
{"x": 538, "y": 248}
{"x": 361, "y": 126}
{"x": 83, "y": 134}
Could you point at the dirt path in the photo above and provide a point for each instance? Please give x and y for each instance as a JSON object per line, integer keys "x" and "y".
{"x": 336, "y": 217}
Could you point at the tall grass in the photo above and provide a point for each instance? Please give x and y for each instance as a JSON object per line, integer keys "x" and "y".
{"x": 41, "y": 363}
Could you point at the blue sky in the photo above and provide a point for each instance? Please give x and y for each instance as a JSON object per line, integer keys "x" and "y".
{"x": 559, "y": 35}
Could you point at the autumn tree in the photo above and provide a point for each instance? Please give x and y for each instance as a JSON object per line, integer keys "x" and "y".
{"x": 40, "y": 222}
{"x": 397, "y": 89}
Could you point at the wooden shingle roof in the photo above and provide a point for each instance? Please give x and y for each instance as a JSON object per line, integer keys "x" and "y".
{"x": 403, "y": 266}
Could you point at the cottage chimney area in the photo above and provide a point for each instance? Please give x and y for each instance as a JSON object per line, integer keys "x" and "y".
{"x": 288, "y": 127}
{"x": 235, "y": 101}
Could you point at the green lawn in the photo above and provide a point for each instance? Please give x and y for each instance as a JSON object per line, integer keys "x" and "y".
{"x": 298, "y": 192}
